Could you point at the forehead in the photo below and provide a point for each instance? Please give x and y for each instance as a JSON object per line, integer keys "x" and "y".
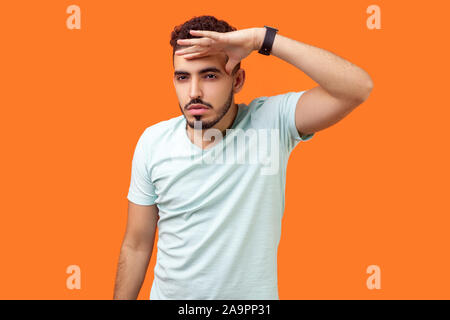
{"x": 196, "y": 65}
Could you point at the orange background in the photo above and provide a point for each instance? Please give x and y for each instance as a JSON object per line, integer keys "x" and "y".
{"x": 372, "y": 189}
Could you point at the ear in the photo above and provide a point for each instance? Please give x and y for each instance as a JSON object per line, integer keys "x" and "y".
{"x": 238, "y": 80}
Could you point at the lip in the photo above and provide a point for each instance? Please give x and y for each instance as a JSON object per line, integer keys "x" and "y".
{"x": 197, "y": 106}
{"x": 196, "y": 109}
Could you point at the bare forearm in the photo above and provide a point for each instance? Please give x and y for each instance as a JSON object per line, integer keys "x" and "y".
{"x": 131, "y": 272}
{"x": 339, "y": 77}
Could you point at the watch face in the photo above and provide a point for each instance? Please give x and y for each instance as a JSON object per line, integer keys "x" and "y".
{"x": 264, "y": 51}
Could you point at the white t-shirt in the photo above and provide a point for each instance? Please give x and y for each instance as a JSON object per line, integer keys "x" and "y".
{"x": 220, "y": 208}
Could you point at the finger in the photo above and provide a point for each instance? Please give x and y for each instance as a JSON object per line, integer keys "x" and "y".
{"x": 191, "y": 49}
{"x": 195, "y": 55}
{"x": 202, "y": 42}
{"x": 210, "y": 34}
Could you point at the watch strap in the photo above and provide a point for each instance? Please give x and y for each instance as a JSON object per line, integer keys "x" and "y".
{"x": 269, "y": 38}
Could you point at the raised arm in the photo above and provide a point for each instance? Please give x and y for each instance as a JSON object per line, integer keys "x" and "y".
{"x": 342, "y": 85}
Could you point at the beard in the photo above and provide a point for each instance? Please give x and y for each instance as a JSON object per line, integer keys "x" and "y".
{"x": 211, "y": 123}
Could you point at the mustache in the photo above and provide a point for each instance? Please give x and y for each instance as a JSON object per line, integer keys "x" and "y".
{"x": 197, "y": 102}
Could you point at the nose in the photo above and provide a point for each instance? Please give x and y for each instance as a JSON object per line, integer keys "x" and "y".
{"x": 195, "y": 90}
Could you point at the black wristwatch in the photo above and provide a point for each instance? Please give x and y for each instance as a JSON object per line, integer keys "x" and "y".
{"x": 268, "y": 41}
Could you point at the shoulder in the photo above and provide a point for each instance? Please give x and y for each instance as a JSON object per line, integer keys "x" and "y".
{"x": 269, "y": 108}
{"x": 277, "y": 100}
{"x": 155, "y": 132}
{"x": 157, "y": 136}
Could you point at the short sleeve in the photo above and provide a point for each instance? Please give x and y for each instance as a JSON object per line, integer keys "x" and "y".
{"x": 142, "y": 190}
{"x": 285, "y": 105}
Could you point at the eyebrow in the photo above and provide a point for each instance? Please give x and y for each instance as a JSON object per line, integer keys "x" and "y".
{"x": 205, "y": 70}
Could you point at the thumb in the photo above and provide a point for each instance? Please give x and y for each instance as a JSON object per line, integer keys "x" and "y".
{"x": 230, "y": 66}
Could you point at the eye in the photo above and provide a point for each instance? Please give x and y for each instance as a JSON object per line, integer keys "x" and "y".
{"x": 213, "y": 76}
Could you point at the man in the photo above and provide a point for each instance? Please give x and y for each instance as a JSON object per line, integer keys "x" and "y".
{"x": 219, "y": 219}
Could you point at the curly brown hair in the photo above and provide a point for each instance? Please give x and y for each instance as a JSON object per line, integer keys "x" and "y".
{"x": 209, "y": 23}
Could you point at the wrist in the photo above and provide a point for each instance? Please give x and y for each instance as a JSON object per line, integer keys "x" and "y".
{"x": 258, "y": 38}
